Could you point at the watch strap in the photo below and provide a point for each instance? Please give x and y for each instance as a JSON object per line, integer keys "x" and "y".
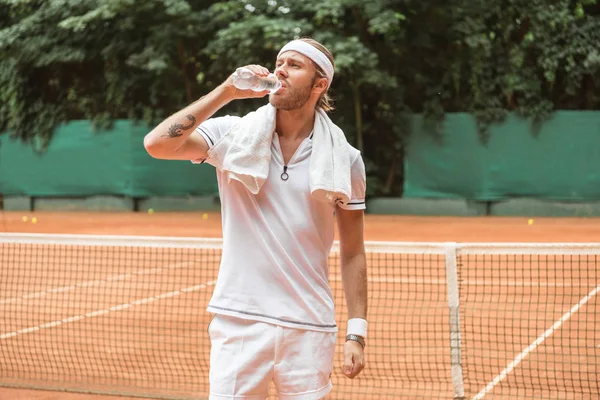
{"x": 356, "y": 338}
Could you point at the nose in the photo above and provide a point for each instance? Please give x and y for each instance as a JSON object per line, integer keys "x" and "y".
{"x": 280, "y": 72}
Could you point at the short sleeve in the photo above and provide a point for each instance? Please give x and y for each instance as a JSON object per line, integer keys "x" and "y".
{"x": 359, "y": 186}
{"x": 212, "y": 130}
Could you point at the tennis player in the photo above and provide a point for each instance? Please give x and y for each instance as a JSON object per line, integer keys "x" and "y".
{"x": 274, "y": 310}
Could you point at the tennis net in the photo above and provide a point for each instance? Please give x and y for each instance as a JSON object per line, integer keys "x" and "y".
{"x": 126, "y": 316}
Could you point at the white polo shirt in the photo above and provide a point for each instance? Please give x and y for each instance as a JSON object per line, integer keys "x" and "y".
{"x": 276, "y": 243}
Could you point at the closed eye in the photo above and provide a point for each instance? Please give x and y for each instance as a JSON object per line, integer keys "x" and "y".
{"x": 291, "y": 63}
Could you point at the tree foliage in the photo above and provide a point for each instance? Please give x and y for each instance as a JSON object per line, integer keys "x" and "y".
{"x": 105, "y": 59}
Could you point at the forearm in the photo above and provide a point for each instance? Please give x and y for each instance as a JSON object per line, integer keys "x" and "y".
{"x": 354, "y": 280}
{"x": 170, "y": 134}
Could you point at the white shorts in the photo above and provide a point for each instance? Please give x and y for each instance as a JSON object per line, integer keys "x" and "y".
{"x": 247, "y": 355}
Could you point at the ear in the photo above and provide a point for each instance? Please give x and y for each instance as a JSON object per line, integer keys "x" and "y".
{"x": 321, "y": 84}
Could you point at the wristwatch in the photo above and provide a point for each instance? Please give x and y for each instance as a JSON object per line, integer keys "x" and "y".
{"x": 356, "y": 338}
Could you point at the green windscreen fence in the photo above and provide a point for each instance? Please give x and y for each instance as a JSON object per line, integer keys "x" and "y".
{"x": 84, "y": 162}
{"x": 561, "y": 162}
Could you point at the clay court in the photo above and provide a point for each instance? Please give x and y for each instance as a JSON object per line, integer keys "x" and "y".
{"x": 403, "y": 300}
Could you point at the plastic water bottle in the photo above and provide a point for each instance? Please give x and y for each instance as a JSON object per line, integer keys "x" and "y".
{"x": 244, "y": 78}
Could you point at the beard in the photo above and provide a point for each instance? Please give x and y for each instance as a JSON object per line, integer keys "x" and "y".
{"x": 293, "y": 99}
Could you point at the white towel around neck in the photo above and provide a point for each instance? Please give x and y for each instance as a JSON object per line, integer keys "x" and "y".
{"x": 244, "y": 154}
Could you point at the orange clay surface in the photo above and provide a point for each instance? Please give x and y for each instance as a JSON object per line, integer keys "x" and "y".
{"x": 377, "y": 228}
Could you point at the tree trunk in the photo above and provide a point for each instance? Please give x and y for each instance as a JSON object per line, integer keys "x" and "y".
{"x": 358, "y": 117}
{"x": 391, "y": 176}
{"x": 186, "y": 80}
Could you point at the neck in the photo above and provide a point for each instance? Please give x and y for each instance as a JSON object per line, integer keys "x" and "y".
{"x": 295, "y": 124}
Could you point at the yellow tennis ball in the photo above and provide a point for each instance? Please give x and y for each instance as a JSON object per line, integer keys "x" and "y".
{"x": 25, "y": 219}
{"x": 33, "y": 220}
{"x": 205, "y": 216}
{"x": 530, "y": 222}
{"x": 150, "y": 211}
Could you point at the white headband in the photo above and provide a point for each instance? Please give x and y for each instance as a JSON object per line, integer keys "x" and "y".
{"x": 314, "y": 54}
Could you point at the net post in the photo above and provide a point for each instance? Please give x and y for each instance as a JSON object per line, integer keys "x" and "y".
{"x": 454, "y": 307}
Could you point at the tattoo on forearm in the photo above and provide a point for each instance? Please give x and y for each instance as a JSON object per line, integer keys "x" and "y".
{"x": 175, "y": 129}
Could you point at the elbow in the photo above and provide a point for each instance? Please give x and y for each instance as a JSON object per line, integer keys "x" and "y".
{"x": 355, "y": 259}
{"x": 151, "y": 145}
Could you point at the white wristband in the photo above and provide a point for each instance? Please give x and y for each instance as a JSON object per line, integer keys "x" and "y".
{"x": 357, "y": 326}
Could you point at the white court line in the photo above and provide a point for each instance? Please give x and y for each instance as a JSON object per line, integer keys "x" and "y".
{"x": 97, "y": 282}
{"x": 418, "y": 281}
{"x": 107, "y": 310}
{"x": 536, "y": 343}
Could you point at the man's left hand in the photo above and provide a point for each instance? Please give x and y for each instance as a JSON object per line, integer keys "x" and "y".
{"x": 354, "y": 359}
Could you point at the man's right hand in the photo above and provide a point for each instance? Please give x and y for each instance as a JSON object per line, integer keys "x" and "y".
{"x": 238, "y": 94}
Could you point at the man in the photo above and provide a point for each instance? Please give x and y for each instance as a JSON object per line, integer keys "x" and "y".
{"x": 274, "y": 308}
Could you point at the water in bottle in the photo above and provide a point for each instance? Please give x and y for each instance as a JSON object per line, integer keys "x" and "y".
{"x": 244, "y": 78}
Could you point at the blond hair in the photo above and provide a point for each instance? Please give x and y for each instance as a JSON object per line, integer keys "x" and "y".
{"x": 325, "y": 101}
